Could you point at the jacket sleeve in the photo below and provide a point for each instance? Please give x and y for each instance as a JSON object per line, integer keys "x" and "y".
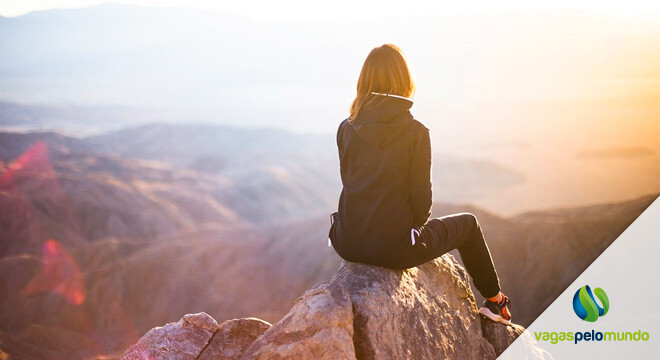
{"x": 420, "y": 178}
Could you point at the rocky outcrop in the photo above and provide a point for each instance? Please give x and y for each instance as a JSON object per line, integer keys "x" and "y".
{"x": 198, "y": 337}
{"x": 364, "y": 312}
{"x": 319, "y": 326}
{"x": 182, "y": 340}
{"x": 232, "y": 339}
{"x": 426, "y": 312}
{"x": 500, "y": 336}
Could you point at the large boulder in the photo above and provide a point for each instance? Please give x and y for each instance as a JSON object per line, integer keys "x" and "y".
{"x": 319, "y": 326}
{"x": 500, "y": 336}
{"x": 198, "y": 336}
{"x": 232, "y": 339}
{"x": 183, "y": 340}
{"x": 371, "y": 312}
{"x": 427, "y": 312}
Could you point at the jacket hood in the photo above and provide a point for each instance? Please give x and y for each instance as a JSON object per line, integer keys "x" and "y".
{"x": 381, "y": 123}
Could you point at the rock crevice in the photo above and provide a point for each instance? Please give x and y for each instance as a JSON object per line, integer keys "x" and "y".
{"x": 201, "y": 352}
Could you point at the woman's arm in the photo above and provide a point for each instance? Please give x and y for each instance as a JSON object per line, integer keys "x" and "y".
{"x": 420, "y": 177}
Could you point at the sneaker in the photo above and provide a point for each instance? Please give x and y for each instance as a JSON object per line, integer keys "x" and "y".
{"x": 497, "y": 312}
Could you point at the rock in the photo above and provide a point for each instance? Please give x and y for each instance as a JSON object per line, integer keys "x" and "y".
{"x": 503, "y": 336}
{"x": 198, "y": 337}
{"x": 364, "y": 312}
{"x": 500, "y": 336}
{"x": 232, "y": 339}
{"x": 319, "y": 326}
{"x": 183, "y": 340}
{"x": 427, "y": 312}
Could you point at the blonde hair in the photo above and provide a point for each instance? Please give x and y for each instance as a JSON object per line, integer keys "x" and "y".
{"x": 384, "y": 71}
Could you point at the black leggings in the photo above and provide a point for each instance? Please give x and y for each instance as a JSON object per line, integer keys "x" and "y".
{"x": 458, "y": 231}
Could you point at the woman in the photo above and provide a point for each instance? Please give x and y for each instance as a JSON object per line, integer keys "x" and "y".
{"x": 385, "y": 204}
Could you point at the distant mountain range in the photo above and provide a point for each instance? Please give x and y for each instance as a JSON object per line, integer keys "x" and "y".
{"x": 254, "y": 175}
{"x": 73, "y": 120}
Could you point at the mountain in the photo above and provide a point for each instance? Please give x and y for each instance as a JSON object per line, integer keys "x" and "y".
{"x": 184, "y": 144}
{"x": 132, "y": 287}
{"x": 259, "y": 175}
{"x": 249, "y": 271}
{"x": 99, "y": 247}
{"x": 272, "y": 173}
{"x": 74, "y": 195}
{"x": 267, "y": 162}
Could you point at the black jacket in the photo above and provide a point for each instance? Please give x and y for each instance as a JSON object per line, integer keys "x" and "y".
{"x": 385, "y": 162}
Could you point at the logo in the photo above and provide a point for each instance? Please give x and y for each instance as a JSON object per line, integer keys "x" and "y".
{"x": 585, "y": 305}
{"x": 588, "y": 309}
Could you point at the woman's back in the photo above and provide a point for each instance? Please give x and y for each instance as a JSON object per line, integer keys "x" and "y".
{"x": 385, "y": 170}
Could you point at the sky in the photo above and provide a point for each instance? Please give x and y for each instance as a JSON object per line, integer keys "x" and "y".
{"x": 350, "y": 9}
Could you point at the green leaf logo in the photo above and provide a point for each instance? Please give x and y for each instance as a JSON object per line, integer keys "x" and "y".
{"x": 585, "y": 305}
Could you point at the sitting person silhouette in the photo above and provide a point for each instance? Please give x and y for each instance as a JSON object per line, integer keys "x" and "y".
{"x": 385, "y": 204}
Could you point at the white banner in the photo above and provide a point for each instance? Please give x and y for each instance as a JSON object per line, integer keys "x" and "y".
{"x": 621, "y": 318}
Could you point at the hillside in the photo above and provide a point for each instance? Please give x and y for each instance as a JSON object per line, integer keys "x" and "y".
{"x": 74, "y": 195}
{"x": 259, "y": 175}
{"x": 132, "y": 288}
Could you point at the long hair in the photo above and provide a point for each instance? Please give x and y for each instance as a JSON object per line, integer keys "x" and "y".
{"x": 385, "y": 71}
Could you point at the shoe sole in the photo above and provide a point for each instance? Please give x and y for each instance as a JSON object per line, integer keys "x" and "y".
{"x": 493, "y": 317}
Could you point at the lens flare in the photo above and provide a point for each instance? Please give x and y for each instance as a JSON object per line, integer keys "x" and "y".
{"x": 60, "y": 275}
